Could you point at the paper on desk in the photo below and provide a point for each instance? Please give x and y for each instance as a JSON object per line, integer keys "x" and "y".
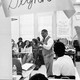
{"x": 26, "y": 66}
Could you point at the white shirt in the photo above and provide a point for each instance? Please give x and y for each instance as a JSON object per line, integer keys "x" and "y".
{"x": 49, "y": 44}
{"x": 63, "y": 66}
{"x": 28, "y": 50}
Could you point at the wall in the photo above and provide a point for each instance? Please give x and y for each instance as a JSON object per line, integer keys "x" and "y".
{"x": 15, "y": 28}
{"x": 5, "y": 47}
{"x": 22, "y": 27}
{"x": 27, "y": 26}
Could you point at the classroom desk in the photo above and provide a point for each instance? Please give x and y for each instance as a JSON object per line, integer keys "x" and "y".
{"x": 17, "y": 77}
{"x": 27, "y": 69}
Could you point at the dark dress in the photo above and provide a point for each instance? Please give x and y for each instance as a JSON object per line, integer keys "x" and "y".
{"x": 36, "y": 56}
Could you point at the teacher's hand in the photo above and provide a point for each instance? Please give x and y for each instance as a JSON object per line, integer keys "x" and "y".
{"x": 40, "y": 42}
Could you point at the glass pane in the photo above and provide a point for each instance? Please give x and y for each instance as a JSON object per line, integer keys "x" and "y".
{"x": 45, "y": 22}
{"x": 27, "y": 26}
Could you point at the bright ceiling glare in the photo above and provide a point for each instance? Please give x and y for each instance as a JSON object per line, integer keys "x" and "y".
{"x": 78, "y": 1}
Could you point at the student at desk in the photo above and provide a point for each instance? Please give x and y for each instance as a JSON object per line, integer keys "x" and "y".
{"x": 17, "y": 64}
{"x": 28, "y": 52}
{"x": 63, "y": 65}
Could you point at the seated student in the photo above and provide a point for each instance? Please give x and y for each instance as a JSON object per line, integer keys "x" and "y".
{"x": 38, "y": 76}
{"x": 35, "y": 50}
{"x": 20, "y": 44}
{"x": 14, "y": 48}
{"x": 28, "y": 52}
{"x": 63, "y": 65}
{"x": 17, "y": 63}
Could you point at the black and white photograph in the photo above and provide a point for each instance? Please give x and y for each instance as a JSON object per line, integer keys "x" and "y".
{"x": 40, "y": 39}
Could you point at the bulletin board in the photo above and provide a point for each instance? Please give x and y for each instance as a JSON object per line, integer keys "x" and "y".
{"x": 63, "y": 25}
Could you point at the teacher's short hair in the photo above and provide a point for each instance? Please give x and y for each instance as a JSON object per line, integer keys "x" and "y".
{"x": 44, "y": 30}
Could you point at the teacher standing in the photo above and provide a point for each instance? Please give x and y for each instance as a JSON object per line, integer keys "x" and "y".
{"x": 47, "y": 51}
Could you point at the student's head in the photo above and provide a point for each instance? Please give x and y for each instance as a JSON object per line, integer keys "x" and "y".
{"x": 59, "y": 49}
{"x": 34, "y": 41}
{"x": 75, "y": 43}
{"x": 44, "y": 33}
{"x": 27, "y": 43}
{"x": 20, "y": 39}
{"x": 38, "y": 76}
